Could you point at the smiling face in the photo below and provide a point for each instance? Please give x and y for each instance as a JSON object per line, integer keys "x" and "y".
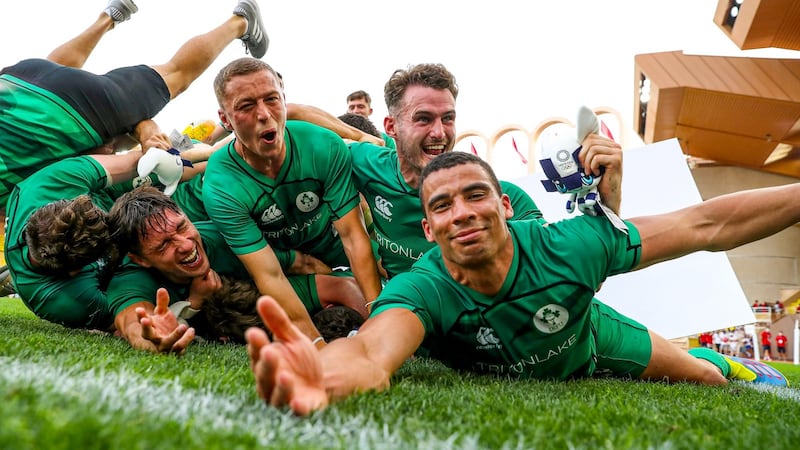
{"x": 173, "y": 247}
{"x": 423, "y": 126}
{"x": 254, "y": 108}
{"x": 465, "y": 215}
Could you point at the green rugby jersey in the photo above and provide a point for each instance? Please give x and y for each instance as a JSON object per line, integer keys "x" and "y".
{"x": 75, "y": 301}
{"x": 294, "y": 211}
{"x": 539, "y": 324}
{"x": 396, "y": 209}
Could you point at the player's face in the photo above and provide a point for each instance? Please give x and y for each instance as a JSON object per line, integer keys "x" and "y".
{"x": 174, "y": 248}
{"x": 424, "y": 127}
{"x": 255, "y": 109}
{"x": 466, "y": 216}
{"x": 360, "y": 107}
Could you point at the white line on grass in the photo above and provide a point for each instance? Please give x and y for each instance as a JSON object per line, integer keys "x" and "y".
{"x": 779, "y": 391}
{"x": 122, "y": 396}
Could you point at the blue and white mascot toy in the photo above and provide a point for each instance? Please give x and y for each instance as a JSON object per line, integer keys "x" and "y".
{"x": 560, "y": 148}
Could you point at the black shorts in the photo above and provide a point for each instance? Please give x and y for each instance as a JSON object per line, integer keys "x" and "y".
{"x": 112, "y": 103}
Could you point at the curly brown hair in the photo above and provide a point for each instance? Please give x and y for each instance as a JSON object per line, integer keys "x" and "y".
{"x": 66, "y": 235}
{"x": 232, "y": 309}
{"x": 434, "y": 76}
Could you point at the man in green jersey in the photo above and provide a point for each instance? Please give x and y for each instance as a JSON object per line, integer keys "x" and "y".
{"x": 359, "y": 102}
{"x": 173, "y": 268}
{"x": 57, "y": 237}
{"x": 283, "y": 186}
{"x": 515, "y": 298}
{"x": 421, "y": 102}
{"x": 52, "y": 109}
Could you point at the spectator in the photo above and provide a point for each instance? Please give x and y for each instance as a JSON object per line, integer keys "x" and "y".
{"x": 716, "y": 339}
{"x": 359, "y": 102}
{"x": 766, "y": 343}
{"x": 780, "y": 343}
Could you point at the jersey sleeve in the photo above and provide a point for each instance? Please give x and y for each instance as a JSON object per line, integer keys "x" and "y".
{"x": 340, "y": 192}
{"x": 130, "y": 284}
{"x": 408, "y": 291}
{"x": 524, "y": 206}
{"x": 226, "y": 199}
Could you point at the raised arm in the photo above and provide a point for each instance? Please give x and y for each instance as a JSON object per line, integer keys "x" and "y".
{"x": 718, "y": 224}
{"x": 289, "y": 372}
{"x": 600, "y": 151}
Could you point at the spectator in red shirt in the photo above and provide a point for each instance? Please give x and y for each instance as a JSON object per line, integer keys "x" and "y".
{"x": 766, "y": 338}
{"x": 780, "y": 342}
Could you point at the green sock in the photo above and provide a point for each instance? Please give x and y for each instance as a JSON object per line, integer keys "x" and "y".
{"x": 714, "y": 358}
{"x": 731, "y": 369}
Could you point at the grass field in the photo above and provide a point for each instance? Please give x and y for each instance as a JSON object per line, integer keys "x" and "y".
{"x": 72, "y": 389}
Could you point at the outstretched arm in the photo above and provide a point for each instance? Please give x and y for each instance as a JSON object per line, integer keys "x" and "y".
{"x": 718, "y": 224}
{"x": 289, "y": 372}
{"x": 319, "y": 117}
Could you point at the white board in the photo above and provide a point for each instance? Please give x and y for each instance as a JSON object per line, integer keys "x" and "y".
{"x": 689, "y": 295}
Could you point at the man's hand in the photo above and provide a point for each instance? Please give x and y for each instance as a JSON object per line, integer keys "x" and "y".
{"x": 366, "y": 137}
{"x": 600, "y": 151}
{"x": 288, "y": 371}
{"x": 202, "y": 288}
{"x": 161, "y": 329}
{"x": 304, "y": 264}
{"x": 149, "y": 134}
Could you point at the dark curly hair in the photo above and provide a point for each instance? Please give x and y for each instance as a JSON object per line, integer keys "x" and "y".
{"x": 360, "y": 122}
{"x": 336, "y": 322}
{"x": 232, "y": 309}
{"x": 138, "y": 212}
{"x": 66, "y": 235}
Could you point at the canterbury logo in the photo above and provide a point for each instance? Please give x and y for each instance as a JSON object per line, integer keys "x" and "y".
{"x": 383, "y": 206}
{"x": 271, "y": 214}
{"x": 485, "y": 336}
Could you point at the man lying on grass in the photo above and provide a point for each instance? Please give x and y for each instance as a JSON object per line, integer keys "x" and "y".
{"x": 514, "y": 298}
{"x": 171, "y": 260}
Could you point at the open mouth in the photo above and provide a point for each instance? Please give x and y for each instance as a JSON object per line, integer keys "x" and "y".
{"x": 434, "y": 150}
{"x": 192, "y": 260}
{"x": 269, "y": 136}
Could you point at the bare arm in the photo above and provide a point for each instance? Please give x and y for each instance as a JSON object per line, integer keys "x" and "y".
{"x": 319, "y": 117}
{"x": 718, "y": 224}
{"x": 149, "y": 134}
{"x": 120, "y": 167}
{"x": 358, "y": 248}
{"x": 266, "y": 271}
{"x": 289, "y": 371}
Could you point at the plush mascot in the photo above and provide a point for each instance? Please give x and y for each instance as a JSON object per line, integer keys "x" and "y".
{"x": 560, "y": 148}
